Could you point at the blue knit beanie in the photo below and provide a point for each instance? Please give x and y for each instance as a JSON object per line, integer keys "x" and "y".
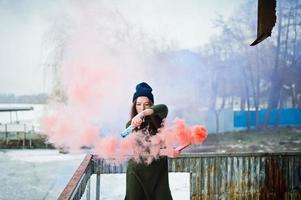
{"x": 143, "y": 89}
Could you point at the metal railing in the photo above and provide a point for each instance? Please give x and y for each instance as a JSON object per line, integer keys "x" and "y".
{"x": 213, "y": 175}
{"x": 21, "y": 132}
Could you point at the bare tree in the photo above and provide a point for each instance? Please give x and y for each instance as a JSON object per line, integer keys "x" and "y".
{"x": 287, "y": 56}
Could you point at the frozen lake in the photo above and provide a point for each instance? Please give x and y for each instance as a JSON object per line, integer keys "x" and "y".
{"x": 43, "y": 174}
{"x": 35, "y": 174}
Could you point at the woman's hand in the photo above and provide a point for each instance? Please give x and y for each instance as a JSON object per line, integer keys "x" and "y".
{"x": 137, "y": 120}
{"x": 170, "y": 152}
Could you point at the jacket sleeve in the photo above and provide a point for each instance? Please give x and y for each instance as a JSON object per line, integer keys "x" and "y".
{"x": 160, "y": 110}
{"x": 128, "y": 124}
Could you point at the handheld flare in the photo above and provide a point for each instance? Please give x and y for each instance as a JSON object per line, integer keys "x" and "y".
{"x": 127, "y": 131}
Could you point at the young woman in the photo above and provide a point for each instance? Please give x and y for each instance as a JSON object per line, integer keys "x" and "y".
{"x": 148, "y": 181}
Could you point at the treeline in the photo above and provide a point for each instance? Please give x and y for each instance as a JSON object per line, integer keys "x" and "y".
{"x": 24, "y": 99}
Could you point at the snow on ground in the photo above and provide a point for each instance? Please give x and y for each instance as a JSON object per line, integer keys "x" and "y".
{"x": 43, "y": 174}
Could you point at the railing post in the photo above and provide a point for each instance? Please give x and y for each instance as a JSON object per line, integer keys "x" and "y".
{"x": 24, "y": 136}
{"x": 18, "y": 136}
{"x": 98, "y": 185}
{"x": 191, "y": 185}
{"x": 10, "y": 116}
{"x": 6, "y": 135}
{"x": 30, "y": 138}
{"x": 88, "y": 192}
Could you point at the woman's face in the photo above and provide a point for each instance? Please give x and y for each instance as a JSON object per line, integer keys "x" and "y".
{"x": 142, "y": 103}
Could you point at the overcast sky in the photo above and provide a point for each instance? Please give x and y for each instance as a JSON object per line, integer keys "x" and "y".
{"x": 187, "y": 23}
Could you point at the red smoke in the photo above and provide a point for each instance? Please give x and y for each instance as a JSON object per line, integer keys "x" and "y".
{"x": 71, "y": 124}
{"x": 182, "y": 134}
{"x": 116, "y": 149}
{"x": 199, "y": 134}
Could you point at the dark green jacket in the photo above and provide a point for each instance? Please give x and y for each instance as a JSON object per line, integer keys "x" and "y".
{"x": 149, "y": 182}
